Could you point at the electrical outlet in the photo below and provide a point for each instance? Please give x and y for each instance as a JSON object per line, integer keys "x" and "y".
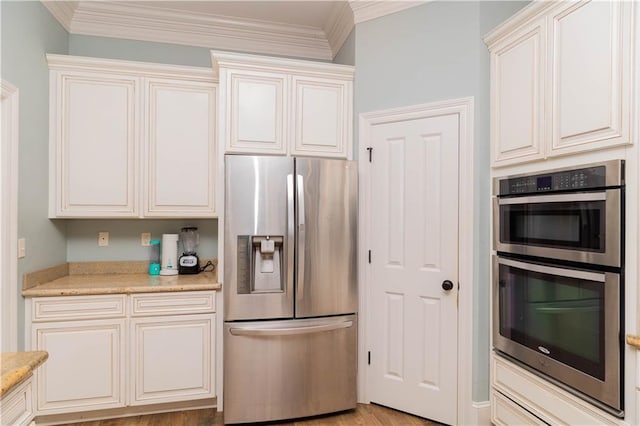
{"x": 22, "y": 248}
{"x": 103, "y": 239}
{"x": 145, "y": 238}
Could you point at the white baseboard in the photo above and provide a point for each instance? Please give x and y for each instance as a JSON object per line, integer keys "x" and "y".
{"x": 482, "y": 412}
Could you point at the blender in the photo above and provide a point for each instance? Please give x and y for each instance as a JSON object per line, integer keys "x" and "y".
{"x": 189, "y": 262}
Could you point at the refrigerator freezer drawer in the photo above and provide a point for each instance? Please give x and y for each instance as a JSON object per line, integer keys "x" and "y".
{"x": 277, "y": 370}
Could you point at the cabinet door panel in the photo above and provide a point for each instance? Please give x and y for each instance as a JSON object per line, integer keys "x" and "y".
{"x": 517, "y": 82}
{"x": 179, "y": 371}
{"x": 96, "y": 145}
{"x": 590, "y": 96}
{"x": 258, "y": 111}
{"x": 85, "y": 369}
{"x": 322, "y": 114}
{"x": 180, "y": 149}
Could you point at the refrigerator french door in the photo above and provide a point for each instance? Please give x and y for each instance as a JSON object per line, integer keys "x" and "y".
{"x": 290, "y": 287}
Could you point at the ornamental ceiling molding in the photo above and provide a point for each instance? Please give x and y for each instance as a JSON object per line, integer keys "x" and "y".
{"x": 140, "y": 21}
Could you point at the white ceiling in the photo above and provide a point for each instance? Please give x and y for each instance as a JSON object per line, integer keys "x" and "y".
{"x": 308, "y": 29}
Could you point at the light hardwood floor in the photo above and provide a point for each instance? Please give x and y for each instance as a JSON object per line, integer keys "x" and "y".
{"x": 364, "y": 414}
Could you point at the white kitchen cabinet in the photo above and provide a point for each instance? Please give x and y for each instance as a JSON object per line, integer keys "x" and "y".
{"x": 126, "y": 138}
{"x": 590, "y": 92}
{"x": 94, "y": 129}
{"x": 281, "y": 106}
{"x": 505, "y": 412}
{"x": 517, "y": 95}
{"x": 257, "y": 108}
{"x": 561, "y": 80}
{"x": 172, "y": 358}
{"x": 17, "y": 405}
{"x": 180, "y": 148}
{"x": 113, "y": 351}
{"x": 179, "y": 371}
{"x": 86, "y": 365}
{"x": 321, "y": 113}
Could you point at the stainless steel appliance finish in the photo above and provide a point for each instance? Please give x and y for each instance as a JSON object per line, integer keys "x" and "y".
{"x": 259, "y": 201}
{"x": 539, "y": 355}
{"x": 287, "y": 369}
{"x": 290, "y": 269}
{"x": 567, "y": 214}
{"x": 327, "y": 241}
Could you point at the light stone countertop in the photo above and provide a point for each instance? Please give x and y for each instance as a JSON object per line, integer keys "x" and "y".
{"x": 17, "y": 366}
{"x": 90, "y": 284}
{"x": 633, "y": 341}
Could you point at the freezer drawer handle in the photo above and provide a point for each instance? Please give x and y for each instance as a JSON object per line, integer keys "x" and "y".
{"x": 248, "y": 331}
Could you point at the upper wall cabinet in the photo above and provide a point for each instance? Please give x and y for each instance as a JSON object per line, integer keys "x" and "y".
{"x": 126, "y": 136}
{"x": 281, "y": 106}
{"x": 561, "y": 80}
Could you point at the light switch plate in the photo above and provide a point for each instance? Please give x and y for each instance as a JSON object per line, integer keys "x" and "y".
{"x": 22, "y": 248}
{"x": 145, "y": 238}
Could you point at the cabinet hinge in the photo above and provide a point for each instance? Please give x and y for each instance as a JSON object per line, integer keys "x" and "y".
{"x": 369, "y": 358}
{"x": 370, "y": 149}
{"x": 369, "y": 256}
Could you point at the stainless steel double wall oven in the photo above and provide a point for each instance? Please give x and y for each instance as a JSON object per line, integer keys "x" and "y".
{"x": 558, "y": 284}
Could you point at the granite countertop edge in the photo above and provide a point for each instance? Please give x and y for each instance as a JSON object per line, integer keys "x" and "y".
{"x": 633, "y": 341}
{"x": 18, "y": 366}
{"x": 96, "y": 284}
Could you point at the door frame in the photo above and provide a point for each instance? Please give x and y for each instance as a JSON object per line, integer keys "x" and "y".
{"x": 9, "y": 218}
{"x": 468, "y": 411}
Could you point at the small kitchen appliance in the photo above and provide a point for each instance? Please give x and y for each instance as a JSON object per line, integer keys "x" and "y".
{"x": 154, "y": 257}
{"x": 169, "y": 264}
{"x": 189, "y": 262}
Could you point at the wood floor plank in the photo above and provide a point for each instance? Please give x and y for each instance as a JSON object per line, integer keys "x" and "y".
{"x": 362, "y": 415}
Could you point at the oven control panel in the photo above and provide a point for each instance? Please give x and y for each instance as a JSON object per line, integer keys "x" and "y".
{"x": 579, "y": 179}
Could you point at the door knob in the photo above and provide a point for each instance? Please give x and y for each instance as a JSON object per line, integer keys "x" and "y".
{"x": 447, "y": 285}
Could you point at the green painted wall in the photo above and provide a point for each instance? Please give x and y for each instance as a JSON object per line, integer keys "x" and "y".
{"x": 28, "y": 32}
{"x": 435, "y": 52}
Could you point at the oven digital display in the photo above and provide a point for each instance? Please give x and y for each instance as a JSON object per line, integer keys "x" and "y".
{"x": 543, "y": 183}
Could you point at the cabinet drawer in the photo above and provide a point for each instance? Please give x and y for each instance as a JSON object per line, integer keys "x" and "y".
{"x": 192, "y": 302}
{"x": 78, "y": 307}
{"x": 506, "y": 412}
{"x": 549, "y": 402}
{"x": 17, "y": 406}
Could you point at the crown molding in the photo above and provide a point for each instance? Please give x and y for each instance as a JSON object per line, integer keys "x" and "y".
{"x": 527, "y": 13}
{"x": 240, "y": 61}
{"x": 63, "y": 11}
{"x": 338, "y": 26}
{"x": 367, "y": 10}
{"x": 143, "y": 22}
{"x": 147, "y": 69}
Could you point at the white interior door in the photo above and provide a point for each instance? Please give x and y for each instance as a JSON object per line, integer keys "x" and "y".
{"x": 414, "y": 242}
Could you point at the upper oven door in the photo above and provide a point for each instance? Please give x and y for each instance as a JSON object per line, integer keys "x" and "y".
{"x": 579, "y": 226}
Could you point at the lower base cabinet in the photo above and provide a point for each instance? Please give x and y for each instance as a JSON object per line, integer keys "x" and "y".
{"x": 114, "y": 351}
{"x": 17, "y": 405}
{"x": 519, "y": 397}
{"x": 505, "y": 412}
{"x": 86, "y": 365}
{"x": 172, "y": 358}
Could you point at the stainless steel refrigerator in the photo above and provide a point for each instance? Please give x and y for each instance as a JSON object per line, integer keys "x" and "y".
{"x": 290, "y": 295}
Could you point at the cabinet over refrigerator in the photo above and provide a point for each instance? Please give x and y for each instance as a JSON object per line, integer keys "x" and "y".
{"x": 290, "y": 287}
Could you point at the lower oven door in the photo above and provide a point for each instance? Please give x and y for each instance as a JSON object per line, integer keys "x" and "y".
{"x": 562, "y": 322}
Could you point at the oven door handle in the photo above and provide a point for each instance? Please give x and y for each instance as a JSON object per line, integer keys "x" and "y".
{"x": 551, "y": 270}
{"x": 555, "y": 198}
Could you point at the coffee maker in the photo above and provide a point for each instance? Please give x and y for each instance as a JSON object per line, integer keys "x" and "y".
{"x": 189, "y": 262}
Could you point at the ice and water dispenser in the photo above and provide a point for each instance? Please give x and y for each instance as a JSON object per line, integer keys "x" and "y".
{"x": 260, "y": 264}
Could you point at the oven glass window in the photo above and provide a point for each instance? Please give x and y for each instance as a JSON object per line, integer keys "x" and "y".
{"x": 570, "y": 225}
{"x": 558, "y": 316}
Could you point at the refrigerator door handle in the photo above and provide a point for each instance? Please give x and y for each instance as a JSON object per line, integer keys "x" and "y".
{"x": 301, "y": 238}
{"x": 291, "y": 225}
{"x": 288, "y": 331}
